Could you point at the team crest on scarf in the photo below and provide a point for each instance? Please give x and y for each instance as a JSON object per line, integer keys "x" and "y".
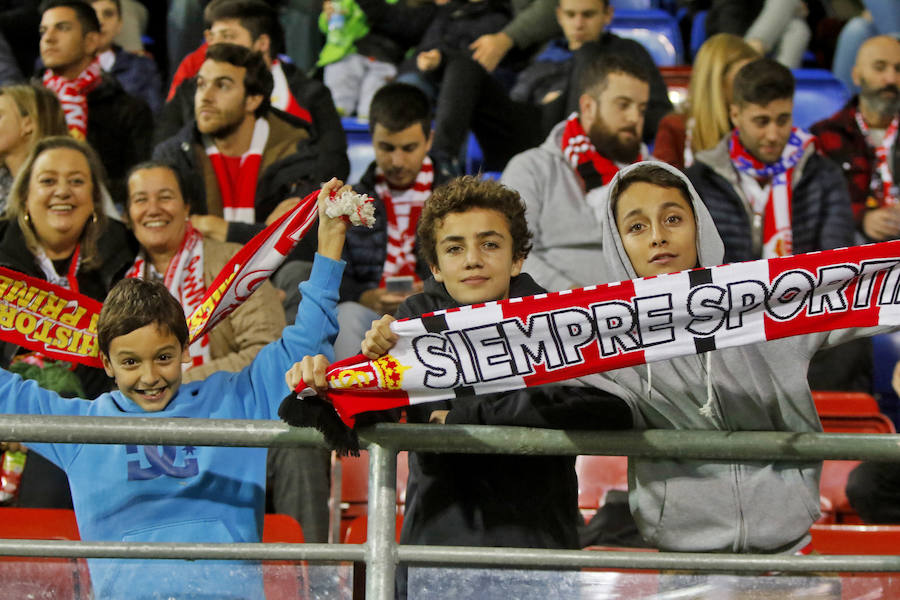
{"x": 776, "y": 212}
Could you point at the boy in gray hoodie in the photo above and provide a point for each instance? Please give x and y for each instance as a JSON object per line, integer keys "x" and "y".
{"x": 655, "y": 223}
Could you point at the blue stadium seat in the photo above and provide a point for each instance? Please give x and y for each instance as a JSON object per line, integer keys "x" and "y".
{"x": 359, "y": 147}
{"x": 656, "y": 30}
{"x": 818, "y": 95}
{"x": 634, "y": 4}
{"x": 886, "y": 352}
{"x": 474, "y": 156}
{"x": 698, "y": 31}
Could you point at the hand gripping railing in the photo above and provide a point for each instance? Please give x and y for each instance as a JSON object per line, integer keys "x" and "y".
{"x": 381, "y": 553}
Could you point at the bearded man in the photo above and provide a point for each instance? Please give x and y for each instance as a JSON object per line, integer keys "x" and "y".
{"x": 563, "y": 181}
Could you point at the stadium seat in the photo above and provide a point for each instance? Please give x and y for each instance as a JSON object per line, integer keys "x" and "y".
{"x": 698, "y": 31}
{"x": 656, "y": 30}
{"x": 818, "y": 94}
{"x": 844, "y": 412}
{"x": 42, "y": 577}
{"x": 355, "y": 487}
{"x": 357, "y": 530}
{"x": 597, "y": 475}
{"x": 283, "y": 579}
{"x": 359, "y": 147}
{"x": 634, "y": 4}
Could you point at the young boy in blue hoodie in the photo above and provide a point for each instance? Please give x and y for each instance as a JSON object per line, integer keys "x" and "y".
{"x": 474, "y": 236}
{"x": 157, "y": 493}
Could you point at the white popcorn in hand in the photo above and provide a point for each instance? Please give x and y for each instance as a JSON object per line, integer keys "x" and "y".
{"x": 357, "y": 208}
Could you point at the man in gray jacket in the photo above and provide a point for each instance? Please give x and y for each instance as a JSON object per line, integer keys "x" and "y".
{"x": 563, "y": 181}
{"x": 655, "y": 223}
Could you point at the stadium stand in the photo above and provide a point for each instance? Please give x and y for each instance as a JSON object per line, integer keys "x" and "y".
{"x": 656, "y": 30}
{"x": 817, "y": 94}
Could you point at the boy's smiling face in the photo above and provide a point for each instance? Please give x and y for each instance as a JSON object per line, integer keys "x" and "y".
{"x": 146, "y": 364}
{"x": 658, "y": 229}
{"x": 475, "y": 256}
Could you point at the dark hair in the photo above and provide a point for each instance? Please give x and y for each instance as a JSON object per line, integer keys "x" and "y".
{"x": 155, "y": 164}
{"x": 257, "y": 80}
{"x": 652, "y": 174}
{"x": 463, "y": 194}
{"x": 255, "y": 16}
{"x": 397, "y": 106}
{"x": 18, "y": 197}
{"x": 84, "y": 12}
{"x": 594, "y": 76}
{"x": 762, "y": 81}
{"x": 135, "y": 303}
{"x": 118, "y": 4}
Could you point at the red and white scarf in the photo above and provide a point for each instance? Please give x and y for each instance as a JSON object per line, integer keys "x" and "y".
{"x": 776, "y": 210}
{"x": 239, "y": 197}
{"x": 594, "y": 169}
{"x": 884, "y": 190}
{"x": 184, "y": 279}
{"x": 282, "y": 98}
{"x": 403, "y": 214}
{"x": 72, "y": 94}
{"x": 524, "y": 342}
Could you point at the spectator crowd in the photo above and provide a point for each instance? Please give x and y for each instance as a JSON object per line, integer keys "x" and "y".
{"x": 130, "y": 161}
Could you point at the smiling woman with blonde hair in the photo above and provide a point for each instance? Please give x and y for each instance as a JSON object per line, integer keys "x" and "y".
{"x": 681, "y": 136}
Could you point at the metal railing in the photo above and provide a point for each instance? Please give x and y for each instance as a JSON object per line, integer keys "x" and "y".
{"x": 381, "y": 553}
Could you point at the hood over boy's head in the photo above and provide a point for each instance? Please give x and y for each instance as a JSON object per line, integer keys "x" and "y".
{"x": 655, "y": 223}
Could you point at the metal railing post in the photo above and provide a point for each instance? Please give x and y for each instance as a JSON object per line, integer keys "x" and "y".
{"x": 381, "y": 547}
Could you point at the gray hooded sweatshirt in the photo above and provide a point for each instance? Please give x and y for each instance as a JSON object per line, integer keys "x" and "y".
{"x": 710, "y": 506}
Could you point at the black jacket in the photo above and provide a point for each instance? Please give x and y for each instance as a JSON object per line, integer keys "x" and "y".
{"x": 494, "y": 499}
{"x": 120, "y": 128}
{"x": 290, "y": 167}
{"x": 821, "y": 217}
{"x": 366, "y": 249}
{"x": 118, "y": 249}
{"x": 324, "y": 125}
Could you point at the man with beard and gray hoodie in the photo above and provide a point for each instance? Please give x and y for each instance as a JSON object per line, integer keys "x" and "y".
{"x": 563, "y": 181}
{"x": 655, "y": 223}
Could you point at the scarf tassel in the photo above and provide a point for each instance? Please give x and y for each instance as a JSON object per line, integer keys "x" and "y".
{"x": 313, "y": 411}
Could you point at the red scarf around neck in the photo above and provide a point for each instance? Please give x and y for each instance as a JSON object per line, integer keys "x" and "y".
{"x": 72, "y": 94}
{"x": 884, "y": 190}
{"x": 777, "y": 233}
{"x": 594, "y": 169}
{"x": 239, "y": 197}
{"x": 402, "y": 219}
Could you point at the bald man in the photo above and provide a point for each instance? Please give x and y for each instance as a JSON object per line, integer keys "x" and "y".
{"x": 862, "y": 139}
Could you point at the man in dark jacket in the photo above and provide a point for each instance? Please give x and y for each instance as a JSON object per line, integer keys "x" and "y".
{"x": 240, "y": 159}
{"x": 862, "y": 139}
{"x": 474, "y": 238}
{"x": 118, "y": 125}
{"x": 254, "y": 24}
{"x": 400, "y": 180}
{"x": 138, "y": 74}
{"x": 768, "y": 190}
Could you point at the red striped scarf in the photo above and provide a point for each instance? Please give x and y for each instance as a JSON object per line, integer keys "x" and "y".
{"x": 776, "y": 212}
{"x": 184, "y": 279}
{"x": 72, "y": 94}
{"x": 884, "y": 190}
{"x": 403, "y": 214}
{"x": 594, "y": 169}
{"x": 239, "y": 197}
{"x": 524, "y": 342}
{"x": 282, "y": 98}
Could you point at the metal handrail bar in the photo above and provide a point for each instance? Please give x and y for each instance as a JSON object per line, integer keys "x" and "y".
{"x": 654, "y": 443}
{"x": 456, "y": 555}
{"x": 381, "y": 553}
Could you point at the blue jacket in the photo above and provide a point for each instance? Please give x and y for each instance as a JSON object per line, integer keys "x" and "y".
{"x": 182, "y": 493}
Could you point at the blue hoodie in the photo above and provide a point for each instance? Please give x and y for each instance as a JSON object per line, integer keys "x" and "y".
{"x": 182, "y": 493}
